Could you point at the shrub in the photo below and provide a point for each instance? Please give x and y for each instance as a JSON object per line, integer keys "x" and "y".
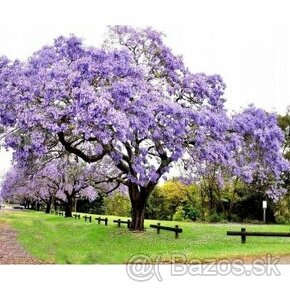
{"x": 117, "y": 204}
{"x": 179, "y": 214}
{"x": 216, "y": 218}
{"x": 282, "y": 220}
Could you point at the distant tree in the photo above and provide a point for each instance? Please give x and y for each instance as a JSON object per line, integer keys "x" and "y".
{"x": 61, "y": 179}
{"x": 284, "y": 123}
{"x": 95, "y": 206}
{"x": 117, "y": 204}
{"x": 282, "y": 213}
{"x": 16, "y": 187}
{"x": 166, "y": 199}
{"x": 251, "y": 158}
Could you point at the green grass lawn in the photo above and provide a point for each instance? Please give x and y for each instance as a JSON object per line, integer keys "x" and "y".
{"x": 69, "y": 241}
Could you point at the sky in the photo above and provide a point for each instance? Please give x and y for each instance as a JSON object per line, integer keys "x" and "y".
{"x": 246, "y": 42}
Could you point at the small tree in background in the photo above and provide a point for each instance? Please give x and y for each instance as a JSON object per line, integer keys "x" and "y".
{"x": 117, "y": 204}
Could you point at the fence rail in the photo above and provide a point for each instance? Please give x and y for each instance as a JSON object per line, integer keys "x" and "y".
{"x": 99, "y": 220}
{"x": 176, "y": 229}
{"x": 243, "y": 233}
{"x": 119, "y": 222}
{"x": 89, "y": 218}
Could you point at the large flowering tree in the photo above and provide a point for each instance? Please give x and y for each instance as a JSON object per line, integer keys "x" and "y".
{"x": 132, "y": 100}
{"x": 64, "y": 180}
{"x": 248, "y": 152}
{"x": 15, "y": 186}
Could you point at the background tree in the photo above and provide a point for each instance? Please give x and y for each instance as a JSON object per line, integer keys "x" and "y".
{"x": 282, "y": 213}
{"x": 248, "y": 153}
{"x": 117, "y": 204}
{"x": 284, "y": 123}
{"x": 16, "y": 188}
{"x": 165, "y": 200}
{"x": 61, "y": 180}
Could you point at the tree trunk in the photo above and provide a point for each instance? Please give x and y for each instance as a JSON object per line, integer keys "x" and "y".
{"x": 138, "y": 197}
{"x": 68, "y": 207}
{"x": 33, "y": 205}
{"x": 210, "y": 201}
{"x": 55, "y": 205}
{"x": 138, "y": 214}
{"x": 203, "y": 205}
{"x": 48, "y": 207}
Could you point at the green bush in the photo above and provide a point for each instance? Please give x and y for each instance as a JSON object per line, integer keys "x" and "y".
{"x": 234, "y": 218}
{"x": 179, "y": 214}
{"x": 216, "y": 218}
{"x": 252, "y": 221}
{"x": 190, "y": 212}
{"x": 282, "y": 220}
{"x": 282, "y": 210}
{"x": 117, "y": 204}
{"x": 165, "y": 200}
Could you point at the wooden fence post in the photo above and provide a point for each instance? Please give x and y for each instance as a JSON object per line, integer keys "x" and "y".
{"x": 158, "y": 229}
{"x": 176, "y": 232}
{"x": 243, "y": 235}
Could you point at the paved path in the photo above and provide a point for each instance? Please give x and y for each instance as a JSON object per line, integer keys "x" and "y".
{"x": 11, "y": 252}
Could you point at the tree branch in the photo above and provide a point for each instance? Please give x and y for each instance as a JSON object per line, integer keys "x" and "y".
{"x": 71, "y": 149}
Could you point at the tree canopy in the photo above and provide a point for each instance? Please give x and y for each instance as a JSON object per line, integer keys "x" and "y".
{"x": 137, "y": 104}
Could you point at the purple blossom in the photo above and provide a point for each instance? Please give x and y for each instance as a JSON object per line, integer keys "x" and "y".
{"x": 134, "y": 102}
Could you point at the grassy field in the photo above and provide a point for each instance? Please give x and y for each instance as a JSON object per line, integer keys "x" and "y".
{"x": 69, "y": 241}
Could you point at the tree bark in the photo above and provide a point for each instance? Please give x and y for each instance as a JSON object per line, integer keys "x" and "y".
{"x": 48, "y": 207}
{"x": 211, "y": 207}
{"x": 55, "y": 205}
{"x": 33, "y": 205}
{"x": 69, "y": 207}
{"x": 138, "y": 214}
{"x": 138, "y": 197}
{"x": 203, "y": 205}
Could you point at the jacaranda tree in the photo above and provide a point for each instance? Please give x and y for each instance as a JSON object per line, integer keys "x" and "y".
{"x": 250, "y": 150}
{"x": 15, "y": 186}
{"x": 132, "y": 100}
{"x": 60, "y": 180}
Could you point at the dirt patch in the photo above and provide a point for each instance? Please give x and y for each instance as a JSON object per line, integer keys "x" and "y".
{"x": 11, "y": 252}
{"x": 266, "y": 259}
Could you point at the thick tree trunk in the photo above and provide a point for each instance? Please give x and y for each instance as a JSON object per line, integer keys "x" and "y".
{"x": 26, "y": 205}
{"x": 48, "y": 207}
{"x": 33, "y": 205}
{"x": 138, "y": 197}
{"x": 138, "y": 214}
{"x": 68, "y": 207}
{"x": 55, "y": 205}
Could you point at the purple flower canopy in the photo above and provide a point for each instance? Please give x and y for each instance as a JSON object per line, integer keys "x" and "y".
{"x": 59, "y": 179}
{"x": 137, "y": 104}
